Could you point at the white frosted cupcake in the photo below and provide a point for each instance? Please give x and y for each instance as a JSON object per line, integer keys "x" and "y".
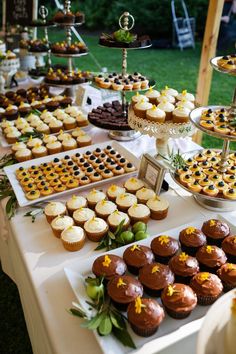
{"x": 125, "y": 201}
{"x": 72, "y": 111}
{"x": 94, "y": 197}
{"x": 77, "y": 132}
{"x": 39, "y": 151}
{"x": 62, "y": 136}
{"x": 133, "y": 184}
{"x": 58, "y": 112}
{"x": 141, "y": 108}
{"x": 73, "y": 238}
{"x": 54, "y": 209}
{"x": 158, "y": 207}
{"x": 45, "y": 115}
{"x": 139, "y": 212}
{"x": 82, "y": 215}
{"x": 69, "y": 144}
{"x": 186, "y": 104}
{"x": 35, "y": 122}
{"x": 13, "y": 136}
{"x": 144, "y": 194}
{"x": 156, "y": 114}
{"x": 48, "y": 139}
{"x": 81, "y": 120}
{"x": 6, "y": 124}
{"x": 31, "y": 117}
{"x": 152, "y": 95}
{"x": 55, "y": 126}
{"x": 60, "y": 223}
{"x": 104, "y": 208}
{"x": 180, "y": 114}
{"x": 115, "y": 219}
{"x": 137, "y": 98}
{"x": 23, "y": 155}
{"x": 43, "y": 128}
{"x": 170, "y": 91}
{"x": 27, "y": 130}
{"x": 18, "y": 146}
{"x": 32, "y": 142}
{"x": 165, "y": 97}
{"x": 167, "y": 107}
{"x": 75, "y": 202}
{"x": 54, "y": 147}
{"x": 84, "y": 140}
{"x": 113, "y": 191}
{"x": 69, "y": 123}
{"x": 185, "y": 95}
{"x": 96, "y": 229}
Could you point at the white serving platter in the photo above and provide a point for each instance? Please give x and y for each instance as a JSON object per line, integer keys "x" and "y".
{"x": 20, "y": 195}
{"x": 170, "y": 330}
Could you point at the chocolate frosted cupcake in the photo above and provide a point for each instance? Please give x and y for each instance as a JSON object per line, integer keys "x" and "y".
{"x": 123, "y": 290}
{"x": 184, "y": 267}
{"x": 109, "y": 266}
{"x": 191, "y": 239}
{"x": 137, "y": 256}
{"x": 229, "y": 247}
{"x": 164, "y": 247}
{"x": 154, "y": 277}
{"x": 179, "y": 300}
{"x": 145, "y": 316}
{"x": 210, "y": 258}
{"x": 215, "y": 231}
{"x": 207, "y": 286}
{"x": 227, "y": 274}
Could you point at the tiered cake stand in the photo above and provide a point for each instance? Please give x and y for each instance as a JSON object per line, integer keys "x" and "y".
{"x": 213, "y": 203}
{"x": 115, "y": 133}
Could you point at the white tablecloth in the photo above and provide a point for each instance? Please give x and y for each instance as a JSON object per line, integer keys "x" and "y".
{"x": 35, "y": 259}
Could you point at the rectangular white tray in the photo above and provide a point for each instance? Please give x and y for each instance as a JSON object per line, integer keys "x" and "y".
{"x": 170, "y": 330}
{"x": 20, "y": 195}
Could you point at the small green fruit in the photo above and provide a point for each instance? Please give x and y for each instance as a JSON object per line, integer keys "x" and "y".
{"x": 126, "y": 237}
{"x": 139, "y": 226}
{"x": 94, "y": 291}
{"x": 141, "y": 235}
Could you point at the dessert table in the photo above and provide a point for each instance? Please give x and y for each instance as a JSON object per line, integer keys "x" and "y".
{"x": 35, "y": 261}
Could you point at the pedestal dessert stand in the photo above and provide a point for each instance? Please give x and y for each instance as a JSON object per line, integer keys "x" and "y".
{"x": 69, "y": 90}
{"x": 214, "y": 203}
{"x": 122, "y": 135}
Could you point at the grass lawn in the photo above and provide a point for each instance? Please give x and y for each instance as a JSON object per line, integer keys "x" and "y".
{"x": 168, "y": 67}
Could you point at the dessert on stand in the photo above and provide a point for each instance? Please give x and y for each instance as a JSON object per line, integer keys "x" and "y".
{"x": 114, "y": 116}
{"x": 211, "y": 174}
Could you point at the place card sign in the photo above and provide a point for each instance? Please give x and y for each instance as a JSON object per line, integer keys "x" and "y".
{"x": 19, "y": 12}
{"x": 152, "y": 173}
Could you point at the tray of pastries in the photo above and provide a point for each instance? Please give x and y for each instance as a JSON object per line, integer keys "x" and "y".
{"x": 177, "y": 276}
{"x": 73, "y": 170}
{"x": 69, "y": 18}
{"x": 64, "y": 49}
{"x": 61, "y": 77}
{"x": 225, "y": 64}
{"x": 119, "y": 82}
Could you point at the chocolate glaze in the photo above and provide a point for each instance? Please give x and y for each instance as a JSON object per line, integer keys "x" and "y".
{"x": 157, "y": 280}
{"x": 194, "y": 239}
{"x": 186, "y": 268}
{"x": 116, "y": 267}
{"x": 151, "y": 315}
{"x": 164, "y": 249}
{"x": 127, "y": 293}
{"x": 183, "y": 300}
{"x": 138, "y": 257}
{"x": 227, "y": 273}
{"x": 212, "y": 259}
{"x": 209, "y": 287}
{"x": 217, "y": 231}
{"x": 229, "y": 245}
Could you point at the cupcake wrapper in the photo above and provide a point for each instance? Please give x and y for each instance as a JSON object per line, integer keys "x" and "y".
{"x": 191, "y": 251}
{"x": 231, "y": 258}
{"x": 133, "y": 270}
{"x": 119, "y": 306}
{"x": 96, "y": 237}
{"x": 159, "y": 215}
{"x": 152, "y": 292}
{"x": 177, "y": 315}
{"x": 204, "y": 268}
{"x": 73, "y": 246}
{"x": 144, "y": 332}
{"x": 228, "y": 287}
{"x": 163, "y": 260}
{"x": 133, "y": 220}
{"x": 215, "y": 241}
{"x": 206, "y": 300}
{"x": 183, "y": 280}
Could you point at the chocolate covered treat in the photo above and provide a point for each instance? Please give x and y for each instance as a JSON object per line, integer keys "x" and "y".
{"x": 137, "y": 256}
{"x": 191, "y": 239}
{"x": 229, "y": 247}
{"x": 184, "y": 267}
{"x": 154, "y": 277}
{"x": 207, "y": 286}
{"x": 145, "y": 316}
{"x": 215, "y": 231}
{"x": 179, "y": 300}
{"x": 164, "y": 247}
{"x": 227, "y": 274}
{"x": 210, "y": 258}
{"x": 123, "y": 290}
{"x": 109, "y": 266}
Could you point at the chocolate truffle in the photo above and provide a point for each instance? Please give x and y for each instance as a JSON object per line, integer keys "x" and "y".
{"x": 207, "y": 286}
{"x": 229, "y": 247}
{"x": 191, "y": 239}
{"x": 145, "y": 316}
{"x": 109, "y": 266}
{"x": 184, "y": 267}
{"x": 154, "y": 277}
{"x": 137, "y": 256}
{"x": 210, "y": 258}
{"x": 215, "y": 231}
{"x": 179, "y": 300}
{"x": 164, "y": 247}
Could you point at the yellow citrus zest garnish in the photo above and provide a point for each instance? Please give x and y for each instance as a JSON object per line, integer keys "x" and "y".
{"x": 235, "y": 239}
{"x": 74, "y": 197}
{"x": 151, "y": 89}
{"x": 171, "y": 290}
{"x": 231, "y": 266}
{"x": 120, "y": 283}
{"x": 104, "y": 202}
{"x": 166, "y": 87}
{"x": 133, "y": 180}
{"x": 106, "y": 262}
{"x": 183, "y": 257}
{"x": 203, "y": 276}
{"x": 212, "y": 223}
{"x": 184, "y": 92}
{"x": 138, "y": 305}
{"x": 209, "y": 249}
{"x": 154, "y": 107}
{"x": 190, "y": 230}
{"x": 135, "y": 247}
{"x": 113, "y": 188}
{"x": 163, "y": 239}
{"x": 155, "y": 269}
{"x": 137, "y": 93}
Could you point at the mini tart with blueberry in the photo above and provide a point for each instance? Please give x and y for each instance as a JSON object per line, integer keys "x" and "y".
{"x": 209, "y": 153}
{"x": 59, "y": 188}
{"x": 198, "y": 175}
{"x": 211, "y": 190}
{"x": 46, "y": 191}
{"x": 222, "y": 129}
{"x": 34, "y": 194}
{"x": 229, "y": 178}
{"x": 107, "y": 173}
{"x": 84, "y": 180}
{"x": 210, "y": 171}
{"x": 194, "y": 187}
{"x": 185, "y": 170}
{"x": 222, "y": 186}
{"x": 195, "y": 167}
{"x": 200, "y": 157}
{"x": 189, "y": 161}
{"x": 72, "y": 183}
{"x": 118, "y": 170}
{"x": 230, "y": 193}
{"x": 29, "y": 187}
{"x": 95, "y": 177}
{"x": 233, "y": 156}
{"x": 185, "y": 179}
{"x": 129, "y": 167}
{"x": 65, "y": 178}
{"x": 216, "y": 178}
{"x": 231, "y": 170}
{"x": 42, "y": 184}
{"x": 207, "y": 124}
